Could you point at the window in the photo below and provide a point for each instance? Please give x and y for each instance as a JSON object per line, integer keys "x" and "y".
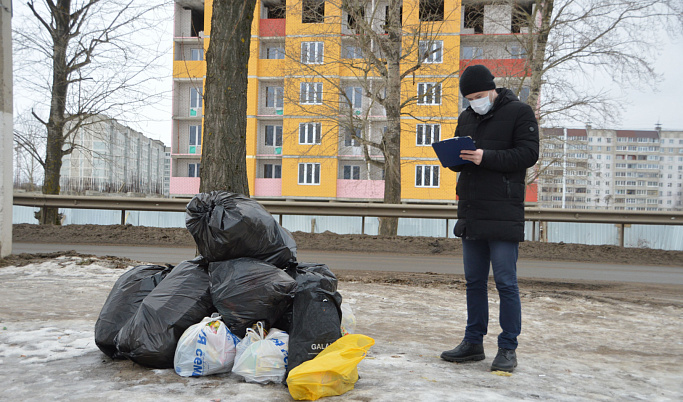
{"x": 195, "y": 99}
{"x": 273, "y": 136}
{"x": 311, "y": 93}
{"x": 312, "y": 52}
{"x": 474, "y": 17}
{"x": 271, "y": 171}
{"x": 387, "y": 18}
{"x": 524, "y": 94}
{"x": 428, "y": 93}
{"x": 352, "y": 52}
{"x": 309, "y": 133}
{"x": 428, "y": 134}
{"x": 309, "y": 173}
{"x": 349, "y": 141}
{"x": 431, "y": 10}
{"x": 354, "y": 14}
{"x": 472, "y": 52}
{"x": 275, "y": 52}
{"x": 196, "y": 54}
{"x": 427, "y": 176}
{"x": 431, "y": 51}
{"x": 193, "y": 170}
{"x": 195, "y": 135}
{"x": 275, "y": 10}
{"x": 313, "y": 12}
{"x": 517, "y": 52}
{"x": 275, "y": 97}
{"x": 354, "y": 97}
{"x": 520, "y": 18}
{"x": 351, "y": 172}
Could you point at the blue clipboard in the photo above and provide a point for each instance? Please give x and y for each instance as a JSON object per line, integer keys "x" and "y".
{"x": 448, "y": 150}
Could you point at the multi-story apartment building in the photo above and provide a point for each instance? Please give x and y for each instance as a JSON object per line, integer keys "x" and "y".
{"x": 615, "y": 169}
{"x": 492, "y": 33}
{"x": 294, "y": 149}
{"x": 167, "y": 171}
{"x": 110, "y": 157}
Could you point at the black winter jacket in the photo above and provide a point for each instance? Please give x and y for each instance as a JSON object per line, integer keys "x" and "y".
{"x": 491, "y": 194}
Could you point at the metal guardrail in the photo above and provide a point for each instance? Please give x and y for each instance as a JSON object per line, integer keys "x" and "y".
{"x": 333, "y": 208}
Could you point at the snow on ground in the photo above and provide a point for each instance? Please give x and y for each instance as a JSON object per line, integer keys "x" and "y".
{"x": 571, "y": 349}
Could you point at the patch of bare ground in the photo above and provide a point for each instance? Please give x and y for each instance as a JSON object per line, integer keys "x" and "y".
{"x": 328, "y": 241}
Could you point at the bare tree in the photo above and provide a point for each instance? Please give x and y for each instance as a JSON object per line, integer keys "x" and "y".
{"x": 225, "y": 119}
{"x": 383, "y": 49}
{"x": 29, "y": 152}
{"x": 87, "y": 58}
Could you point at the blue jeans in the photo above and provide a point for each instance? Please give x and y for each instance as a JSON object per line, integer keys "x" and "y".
{"x": 478, "y": 255}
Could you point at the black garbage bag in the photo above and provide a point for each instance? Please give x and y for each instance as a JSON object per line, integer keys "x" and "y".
{"x": 246, "y": 290}
{"x": 123, "y": 301}
{"x": 316, "y": 313}
{"x": 179, "y": 301}
{"x": 226, "y": 226}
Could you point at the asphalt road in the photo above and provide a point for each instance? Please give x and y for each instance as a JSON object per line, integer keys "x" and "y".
{"x": 394, "y": 262}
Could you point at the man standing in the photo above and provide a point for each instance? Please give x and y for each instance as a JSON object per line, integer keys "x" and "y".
{"x": 491, "y": 209}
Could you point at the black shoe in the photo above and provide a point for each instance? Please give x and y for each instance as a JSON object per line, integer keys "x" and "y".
{"x": 465, "y": 352}
{"x": 506, "y": 360}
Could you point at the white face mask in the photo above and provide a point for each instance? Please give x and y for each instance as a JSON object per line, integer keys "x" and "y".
{"x": 482, "y": 105}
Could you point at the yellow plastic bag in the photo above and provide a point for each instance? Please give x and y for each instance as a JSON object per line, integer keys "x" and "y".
{"x": 333, "y": 371}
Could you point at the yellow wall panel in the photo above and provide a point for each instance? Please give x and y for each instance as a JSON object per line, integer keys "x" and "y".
{"x": 208, "y": 14}
{"x": 451, "y": 22}
{"x": 328, "y": 146}
{"x": 409, "y": 147}
{"x": 450, "y": 64}
{"x": 449, "y": 98}
{"x": 251, "y": 174}
{"x": 329, "y": 67}
{"x": 252, "y": 96}
{"x": 328, "y": 178}
{"x": 331, "y": 25}
{"x": 269, "y": 67}
{"x": 445, "y": 191}
{"x": 252, "y": 127}
{"x": 330, "y": 101}
{"x": 189, "y": 69}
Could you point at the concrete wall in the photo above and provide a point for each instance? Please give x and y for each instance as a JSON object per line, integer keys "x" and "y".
{"x": 497, "y": 19}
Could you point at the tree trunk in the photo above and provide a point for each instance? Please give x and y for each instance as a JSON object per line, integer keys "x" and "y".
{"x": 537, "y": 50}
{"x": 391, "y": 143}
{"x": 55, "y": 123}
{"x": 224, "y": 164}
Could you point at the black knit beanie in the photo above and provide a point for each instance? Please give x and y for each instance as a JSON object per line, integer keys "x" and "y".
{"x": 476, "y": 78}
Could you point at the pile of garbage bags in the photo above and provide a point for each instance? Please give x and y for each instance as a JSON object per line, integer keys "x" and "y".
{"x": 245, "y": 305}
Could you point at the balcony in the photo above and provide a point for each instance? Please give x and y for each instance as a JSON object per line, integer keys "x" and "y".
{"x": 272, "y": 27}
{"x": 189, "y": 69}
{"x": 271, "y": 67}
{"x": 268, "y": 187}
{"x": 501, "y": 67}
{"x": 363, "y": 189}
{"x": 184, "y": 185}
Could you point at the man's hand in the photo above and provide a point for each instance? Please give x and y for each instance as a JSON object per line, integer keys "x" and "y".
{"x": 472, "y": 156}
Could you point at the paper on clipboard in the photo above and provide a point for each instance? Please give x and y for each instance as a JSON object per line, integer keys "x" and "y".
{"x": 448, "y": 150}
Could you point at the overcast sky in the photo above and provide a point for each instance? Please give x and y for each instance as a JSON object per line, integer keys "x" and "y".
{"x": 665, "y": 105}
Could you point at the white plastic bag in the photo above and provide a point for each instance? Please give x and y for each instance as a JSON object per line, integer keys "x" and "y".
{"x": 205, "y": 348}
{"x": 260, "y": 358}
{"x": 348, "y": 321}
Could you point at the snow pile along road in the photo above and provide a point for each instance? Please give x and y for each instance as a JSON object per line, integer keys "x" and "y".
{"x": 571, "y": 348}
